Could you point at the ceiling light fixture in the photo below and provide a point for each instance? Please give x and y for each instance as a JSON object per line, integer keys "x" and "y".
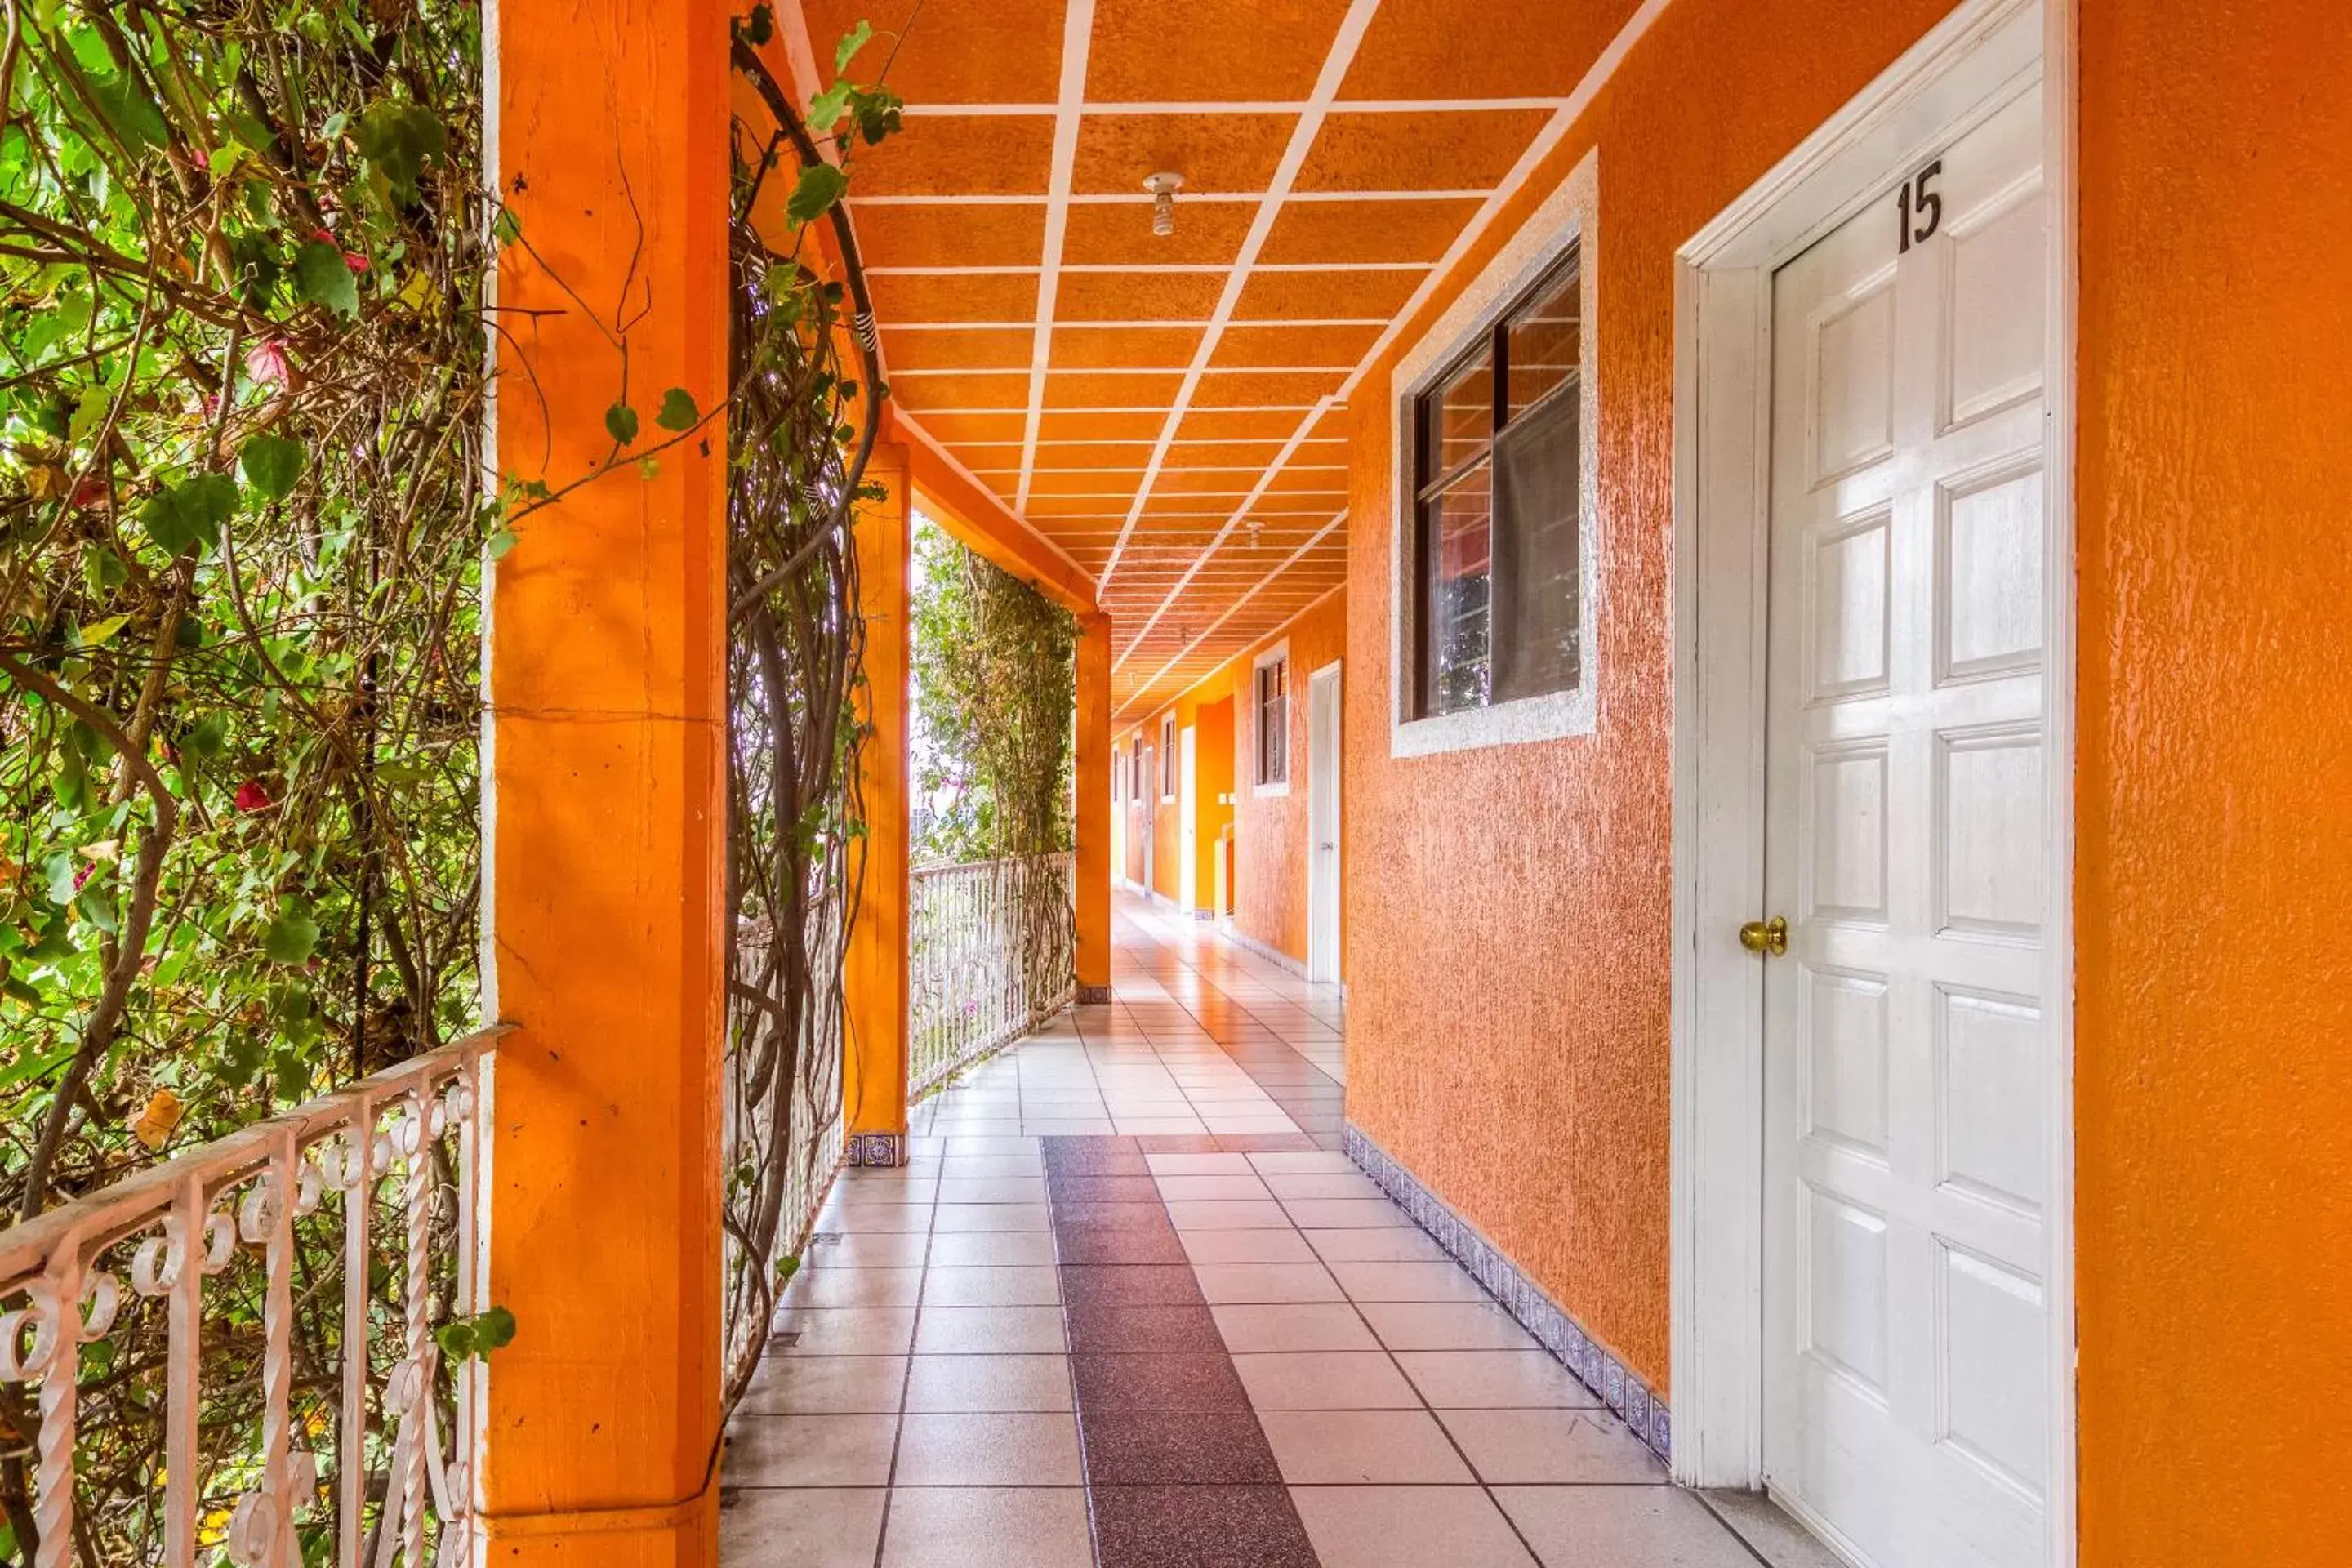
{"x": 1256, "y": 528}
{"x": 1163, "y": 188}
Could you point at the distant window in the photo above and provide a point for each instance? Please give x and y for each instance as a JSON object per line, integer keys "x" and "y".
{"x": 1270, "y": 710}
{"x": 1168, "y": 758}
{"x": 1497, "y": 514}
{"x": 1117, "y": 774}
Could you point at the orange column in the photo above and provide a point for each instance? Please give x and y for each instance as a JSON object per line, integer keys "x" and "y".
{"x": 1094, "y": 807}
{"x": 874, "y": 981}
{"x": 606, "y": 808}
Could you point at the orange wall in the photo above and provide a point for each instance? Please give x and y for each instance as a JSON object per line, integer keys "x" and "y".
{"x": 2214, "y": 859}
{"x": 1522, "y": 890}
{"x": 2214, "y": 1109}
{"x": 1270, "y": 832}
{"x": 1206, "y": 709}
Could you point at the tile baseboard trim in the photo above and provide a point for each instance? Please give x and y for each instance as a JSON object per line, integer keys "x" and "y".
{"x": 1265, "y": 950}
{"x": 1093, "y": 995}
{"x": 1552, "y": 1326}
{"x": 877, "y": 1149}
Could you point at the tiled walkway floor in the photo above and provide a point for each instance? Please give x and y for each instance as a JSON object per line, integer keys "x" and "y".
{"x": 1072, "y": 1332}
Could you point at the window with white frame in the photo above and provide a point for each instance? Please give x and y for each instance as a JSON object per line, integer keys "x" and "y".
{"x": 1168, "y": 758}
{"x": 1495, "y": 531}
{"x": 1270, "y": 719}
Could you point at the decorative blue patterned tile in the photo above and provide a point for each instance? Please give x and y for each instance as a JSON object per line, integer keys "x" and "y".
{"x": 1551, "y": 1325}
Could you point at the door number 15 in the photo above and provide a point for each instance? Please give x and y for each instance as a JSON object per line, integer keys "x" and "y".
{"x": 1920, "y": 206}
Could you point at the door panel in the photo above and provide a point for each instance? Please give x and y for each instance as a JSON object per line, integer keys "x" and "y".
{"x": 1906, "y": 1156}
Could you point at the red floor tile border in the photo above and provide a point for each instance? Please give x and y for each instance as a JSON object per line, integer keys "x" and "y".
{"x": 1179, "y": 1473}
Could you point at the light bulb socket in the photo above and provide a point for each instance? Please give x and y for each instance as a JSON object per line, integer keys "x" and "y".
{"x": 1163, "y": 188}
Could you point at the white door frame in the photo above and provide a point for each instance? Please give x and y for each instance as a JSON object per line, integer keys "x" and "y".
{"x": 1150, "y": 818}
{"x": 1323, "y": 774}
{"x": 1188, "y": 817}
{"x": 1723, "y": 382}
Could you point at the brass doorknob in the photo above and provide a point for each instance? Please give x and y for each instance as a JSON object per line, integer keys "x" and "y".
{"x": 1766, "y": 936}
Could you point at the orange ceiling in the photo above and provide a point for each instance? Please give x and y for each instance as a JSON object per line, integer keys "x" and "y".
{"x": 1164, "y": 408}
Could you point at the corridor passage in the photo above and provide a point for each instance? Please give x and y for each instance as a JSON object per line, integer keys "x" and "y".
{"x": 1129, "y": 1306}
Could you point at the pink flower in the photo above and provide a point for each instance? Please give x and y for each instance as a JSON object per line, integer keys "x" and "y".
{"x": 265, "y": 362}
{"x": 351, "y": 259}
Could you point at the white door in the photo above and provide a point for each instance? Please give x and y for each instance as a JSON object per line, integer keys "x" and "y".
{"x": 1188, "y": 819}
{"x": 1323, "y": 825}
{"x": 1907, "y": 1147}
{"x": 1151, "y": 814}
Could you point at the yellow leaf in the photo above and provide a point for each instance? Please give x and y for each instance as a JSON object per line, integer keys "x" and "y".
{"x": 96, "y": 633}
{"x": 154, "y": 1125}
{"x": 107, "y": 849}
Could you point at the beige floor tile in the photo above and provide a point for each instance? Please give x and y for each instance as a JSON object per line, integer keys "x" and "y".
{"x": 1495, "y": 1380}
{"x": 997, "y": 1449}
{"x": 1407, "y": 1281}
{"x": 990, "y": 1331}
{"x": 993, "y": 1248}
{"x": 1293, "y": 1326}
{"x": 993, "y": 1190}
{"x": 954, "y": 1218}
{"x": 1771, "y": 1534}
{"x": 800, "y": 1529}
{"x": 828, "y": 1285}
{"x": 1541, "y": 1448}
{"x": 992, "y": 1285}
{"x": 1228, "y": 1214}
{"x": 1351, "y": 1448}
{"x": 1609, "y": 1527}
{"x": 1224, "y": 1282}
{"x": 1186, "y": 1188}
{"x": 825, "y": 1386}
{"x": 945, "y": 1383}
{"x": 810, "y": 1450}
{"x": 1325, "y": 1380}
{"x": 1303, "y": 1163}
{"x": 1344, "y": 1214}
{"x": 1381, "y": 1244}
{"x": 966, "y": 1527}
{"x": 1214, "y": 1246}
{"x": 1198, "y": 1164}
{"x": 895, "y": 1249}
{"x": 847, "y": 1330}
{"x": 1409, "y": 1527}
{"x": 1287, "y": 1185}
{"x": 1445, "y": 1326}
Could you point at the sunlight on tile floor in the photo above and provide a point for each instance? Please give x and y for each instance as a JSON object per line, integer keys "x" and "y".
{"x": 1122, "y": 1309}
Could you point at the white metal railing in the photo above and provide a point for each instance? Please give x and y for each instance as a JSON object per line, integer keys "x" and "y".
{"x": 115, "y": 1286}
{"x": 990, "y": 958}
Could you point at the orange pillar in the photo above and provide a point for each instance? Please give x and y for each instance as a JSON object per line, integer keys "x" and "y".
{"x": 1094, "y": 808}
{"x": 874, "y": 981}
{"x": 605, "y": 810}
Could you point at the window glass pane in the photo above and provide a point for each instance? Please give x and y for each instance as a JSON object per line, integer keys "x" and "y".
{"x": 1535, "y": 548}
{"x": 1463, "y": 412}
{"x": 1545, "y": 346}
{"x": 1457, "y": 642}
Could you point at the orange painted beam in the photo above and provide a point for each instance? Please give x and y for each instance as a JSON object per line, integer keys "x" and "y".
{"x": 605, "y": 799}
{"x": 986, "y": 526}
{"x": 1093, "y": 861}
{"x": 875, "y": 986}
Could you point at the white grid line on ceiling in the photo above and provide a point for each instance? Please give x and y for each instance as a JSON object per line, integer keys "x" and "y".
{"x": 1078, "y": 40}
{"x": 1303, "y": 134}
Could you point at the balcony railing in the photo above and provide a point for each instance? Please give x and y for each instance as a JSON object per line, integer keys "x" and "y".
{"x": 991, "y": 958}
{"x": 246, "y": 1335}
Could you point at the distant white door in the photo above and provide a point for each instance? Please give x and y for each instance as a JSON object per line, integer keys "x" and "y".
{"x": 1907, "y": 1111}
{"x": 1323, "y": 825}
{"x": 1188, "y": 819}
{"x": 1150, "y": 813}
{"x": 1119, "y": 817}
